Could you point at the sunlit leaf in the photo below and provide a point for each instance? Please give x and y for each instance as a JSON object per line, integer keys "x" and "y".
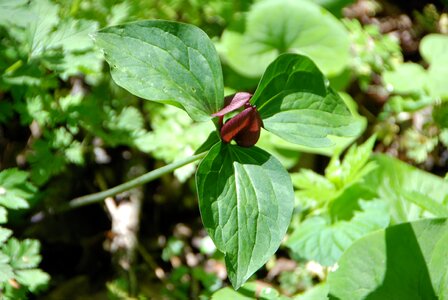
{"x": 406, "y": 261}
{"x": 295, "y": 104}
{"x": 246, "y": 201}
{"x": 273, "y": 27}
{"x": 167, "y": 62}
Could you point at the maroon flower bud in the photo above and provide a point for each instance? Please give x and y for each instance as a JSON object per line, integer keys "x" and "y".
{"x": 245, "y": 127}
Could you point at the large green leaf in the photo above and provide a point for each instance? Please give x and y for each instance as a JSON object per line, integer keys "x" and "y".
{"x": 295, "y": 104}
{"x": 273, "y": 27}
{"x": 246, "y": 201}
{"x": 407, "y": 261}
{"x": 166, "y": 61}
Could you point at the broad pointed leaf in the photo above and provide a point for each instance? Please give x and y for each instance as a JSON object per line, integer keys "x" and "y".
{"x": 167, "y": 62}
{"x": 295, "y": 104}
{"x": 406, "y": 261}
{"x": 274, "y": 27}
{"x": 246, "y": 201}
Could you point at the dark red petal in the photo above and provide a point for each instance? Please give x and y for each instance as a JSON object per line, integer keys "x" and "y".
{"x": 233, "y": 126}
{"x": 237, "y": 101}
{"x": 248, "y": 136}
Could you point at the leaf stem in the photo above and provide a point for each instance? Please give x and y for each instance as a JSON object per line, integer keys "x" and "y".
{"x": 145, "y": 178}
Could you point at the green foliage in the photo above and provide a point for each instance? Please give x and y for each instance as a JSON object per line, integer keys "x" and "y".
{"x": 295, "y": 104}
{"x": 275, "y": 27}
{"x": 340, "y": 216}
{"x": 170, "y": 124}
{"x": 18, "y": 259}
{"x": 246, "y": 202}
{"x": 406, "y": 261}
{"x": 395, "y": 182}
{"x": 62, "y": 116}
{"x": 249, "y": 291}
{"x": 412, "y": 78}
{"x": 175, "y": 64}
{"x": 15, "y": 190}
{"x": 372, "y": 52}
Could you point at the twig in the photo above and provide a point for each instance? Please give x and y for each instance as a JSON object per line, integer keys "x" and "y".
{"x": 145, "y": 178}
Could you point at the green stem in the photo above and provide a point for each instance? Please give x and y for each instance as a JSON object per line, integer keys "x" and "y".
{"x": 145, "y": 178}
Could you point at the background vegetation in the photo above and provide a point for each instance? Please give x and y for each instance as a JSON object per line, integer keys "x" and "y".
{"x": 67, "y": 130}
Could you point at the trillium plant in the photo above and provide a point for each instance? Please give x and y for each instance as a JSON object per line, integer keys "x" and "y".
{"x": 245, "y": 195}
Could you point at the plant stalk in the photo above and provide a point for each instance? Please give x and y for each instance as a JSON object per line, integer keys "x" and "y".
{"x": 145, "y": 178}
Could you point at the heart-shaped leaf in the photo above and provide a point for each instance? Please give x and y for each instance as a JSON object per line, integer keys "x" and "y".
{"x": 295, "y": 104}
{"x": 246, "y": 201}
{"x": 167, "y": 62}
{"x": 406, "y": 261}
{"x": 273, "y": 27}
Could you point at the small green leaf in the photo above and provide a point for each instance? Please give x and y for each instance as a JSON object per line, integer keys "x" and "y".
{"x": 23, "y": 254}
{"x": 434, "y": 48}
{"x": 406, "y": 78}
{"x": 34, "y": 279}
{"x": 354, "y": 166}
{"x": 3, "y": 218}
{"x": 6, "y": 271}
{"x": 274, "y": 27}
{"x": 318, "y": 239}
{"x": 15, "y": 190}
{"x": 246, "y": 201}
{"x": 167, "y": 62}
{"x": 295, "y": 104}
{"x": 406, "y": 261}
{"x": 5, "y": 233}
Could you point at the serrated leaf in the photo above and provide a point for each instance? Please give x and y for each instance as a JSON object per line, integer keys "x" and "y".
{"x": 406, "y": 261}
{"x": 14, "y": 13}
{"x": 295, "y": 104}
{"x": 74, "y": 153}
{"x": 72, "y": 35}
{"x": 12, "y": 177}
{"x": 392, "y": 179}
{"x": 3, "y": 218}
{"x": 167, "y": 62}
{"x": 15, "y": 190}
{"x": 246, "y": 201}
{"x": 33, "y": 279}
{"x": 275, "y": 27}
{"x": 44, "y": 162}
{"x": 318, "y": 239}
{"x": 44, "y": 19}
{"x": 12, "y": 201}
{"x": 6, "y": 271}
{"x": 23, "y": 254}
{"x": 5, "y": 233}
{"x": 354, "y": 166}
